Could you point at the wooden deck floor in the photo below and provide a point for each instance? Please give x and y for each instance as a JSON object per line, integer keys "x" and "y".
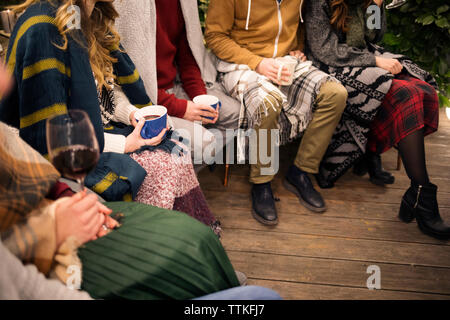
{"x": 325, "y": 256}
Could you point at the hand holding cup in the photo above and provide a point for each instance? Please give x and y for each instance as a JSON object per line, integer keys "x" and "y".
{"x": 270, "y": 68}
{"x": 210, "y": 105}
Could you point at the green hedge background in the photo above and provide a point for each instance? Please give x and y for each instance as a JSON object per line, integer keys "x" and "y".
{"x": 420, "y": 29}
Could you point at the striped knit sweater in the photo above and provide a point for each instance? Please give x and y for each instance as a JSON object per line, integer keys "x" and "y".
{"x": 50, "y": 80}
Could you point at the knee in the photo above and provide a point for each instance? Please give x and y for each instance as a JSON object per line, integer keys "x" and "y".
{"x": 428, "y": 90}
{"x": 229, "y": 114}
{"x": 341, "y": 96}
{"x": 335, "y": 95}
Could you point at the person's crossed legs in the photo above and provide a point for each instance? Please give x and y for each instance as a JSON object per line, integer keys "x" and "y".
{"x": 330, "y": 104}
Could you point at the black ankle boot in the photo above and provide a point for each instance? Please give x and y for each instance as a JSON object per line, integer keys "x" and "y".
{"x": 420, "y": 202}
{"x": 322, "y": 181}
{"x": 298, "y": 182}
{"x": 377, "y": 174}
{"x": 360, "y": 167}
{"x": 263, "y": 204}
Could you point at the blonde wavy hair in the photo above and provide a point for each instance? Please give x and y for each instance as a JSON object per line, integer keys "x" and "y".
{"x": 98, "y": 29}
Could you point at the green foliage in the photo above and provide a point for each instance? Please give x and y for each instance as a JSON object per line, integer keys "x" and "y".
{"x": 421, "y": 30}
{"x": 202, "y": 8}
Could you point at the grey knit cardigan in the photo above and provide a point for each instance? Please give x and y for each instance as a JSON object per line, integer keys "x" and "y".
{"x": 326, "y": 45}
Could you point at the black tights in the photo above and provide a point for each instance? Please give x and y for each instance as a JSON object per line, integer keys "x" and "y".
{"x": 412, "y": 151}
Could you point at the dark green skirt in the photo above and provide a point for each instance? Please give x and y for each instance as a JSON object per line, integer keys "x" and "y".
{"x": 156, "y": 254}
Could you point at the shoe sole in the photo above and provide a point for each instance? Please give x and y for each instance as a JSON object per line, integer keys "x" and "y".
{"x": 263, "y": 221}
{"x": 433, "y": 234}
{"x": 360, "y": 173}
{"x": 294, "y": 190}
{"x": 380, "y": 182}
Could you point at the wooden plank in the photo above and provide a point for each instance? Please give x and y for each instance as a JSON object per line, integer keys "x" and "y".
{"x": 311, "y": 256}
{"x": 438, "y": 167}
{"x": 402, "y": 182}
{"x": 372, "y": 194}
{"x": 340, "y": 272}
{"x": 337, "y": 208}
{"x": 401, "y": 179}
{"x": 436, "y": 144}
{"x": 439, "y": 175}
{"x": 270, "y": 242}
{"x": 322, "y": 225}
{"x": 307, "y": 291}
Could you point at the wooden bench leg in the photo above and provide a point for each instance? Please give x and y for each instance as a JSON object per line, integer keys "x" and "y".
{"x": 227, "y": 168}
{"x": 399, "y": 161}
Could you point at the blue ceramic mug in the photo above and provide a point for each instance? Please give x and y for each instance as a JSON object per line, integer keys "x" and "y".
{"x": 208, "y": 100}
{"x": 155, "y": 120}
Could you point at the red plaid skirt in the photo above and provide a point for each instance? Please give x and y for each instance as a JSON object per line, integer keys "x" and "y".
{"x": 410, "y": 105}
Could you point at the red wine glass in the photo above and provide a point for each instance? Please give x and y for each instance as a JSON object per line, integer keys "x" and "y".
{"x": 72, "y": 144}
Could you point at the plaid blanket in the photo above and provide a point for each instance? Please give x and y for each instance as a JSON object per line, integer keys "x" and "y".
{"x": 25, "y": 179}
{"x": 367, "y": 88}
{"x": 257, "y": 94}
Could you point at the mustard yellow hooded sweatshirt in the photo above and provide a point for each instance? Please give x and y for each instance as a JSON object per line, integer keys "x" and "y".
{"x": 246, "y": 31}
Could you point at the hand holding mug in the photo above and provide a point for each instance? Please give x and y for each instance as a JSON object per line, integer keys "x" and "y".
{"x": 201, "y": 112}
{"x": 133, "y": 119}
{"x": 290, "y": 63}
{"x": 135, "y": 141}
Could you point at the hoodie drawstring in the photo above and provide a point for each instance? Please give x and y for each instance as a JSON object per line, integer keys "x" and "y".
{"x": 300, "y": 10}
{"x": 248, "y": 14}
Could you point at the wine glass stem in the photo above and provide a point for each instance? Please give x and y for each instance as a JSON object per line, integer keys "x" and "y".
{"x": 81, "y": 183}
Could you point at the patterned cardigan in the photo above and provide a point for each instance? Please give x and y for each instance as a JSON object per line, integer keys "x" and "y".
{"x": 50, "y": 81}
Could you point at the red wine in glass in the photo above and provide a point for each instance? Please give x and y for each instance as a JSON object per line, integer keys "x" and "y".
{"x": 76, "y": 161}
{"x": 72, "y": 144}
